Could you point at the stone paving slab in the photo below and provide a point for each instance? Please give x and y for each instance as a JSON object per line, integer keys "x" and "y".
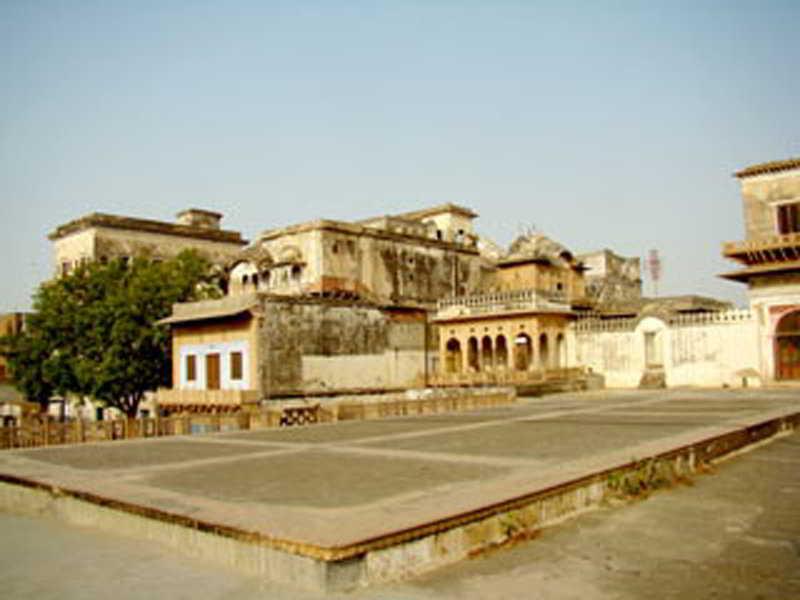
{"x": 103, "y": 456}
{"x": 338, "y": 485}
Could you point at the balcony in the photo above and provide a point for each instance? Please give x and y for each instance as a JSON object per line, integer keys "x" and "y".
{"x": 785, "y": 247}
{"x": 516, "y": 301}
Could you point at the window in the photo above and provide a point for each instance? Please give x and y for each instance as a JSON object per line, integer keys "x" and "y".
{"x": 265, "y": 276}
{"x": 296, "y": 270}
{"x": 65, "y": 267}
{"x": 245, "y": 279}
{"x": 789, "y": 218}
{"x": 236, "y": 366}
{"x": 255, "y": 279}
{"x": 191, "y": 368}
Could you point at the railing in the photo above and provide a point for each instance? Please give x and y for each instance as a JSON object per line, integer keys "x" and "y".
{"x": 211, "y": 398}
{"x": 507, "y": 377}
{"x": 34, "y": 432}
{"x": 761, "y": 243}
{"x": 498, "y": 302}
{"x": 715, "y": 318}
{"x": 596, "y": 325}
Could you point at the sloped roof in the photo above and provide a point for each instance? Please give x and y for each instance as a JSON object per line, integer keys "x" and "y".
{"x": 774, "y": 166}
{"x": 205, "y": 310}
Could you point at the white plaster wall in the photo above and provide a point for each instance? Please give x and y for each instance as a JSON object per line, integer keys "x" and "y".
{"x": 614, "y": 354}
{"x": 712, "y": 354}
{"x": 400, "y": 368}
{"x": 705, "y": 351}
{"x": 72, "y": 248}
{"x": 224, "y": 349}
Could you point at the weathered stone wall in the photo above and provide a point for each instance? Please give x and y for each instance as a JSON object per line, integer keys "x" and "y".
{"x": 556, "y": 279}
{"x": 99, "y": 243}
{"x": 313, "y": 344}
{"x": 112, "y": 243}
{"x": 612, "y": 278}
{"x": 388, "y": 267}
{"x": 760, "y": 195}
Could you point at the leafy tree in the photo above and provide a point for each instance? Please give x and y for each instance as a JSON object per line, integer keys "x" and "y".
{"x": 93, "y": 332}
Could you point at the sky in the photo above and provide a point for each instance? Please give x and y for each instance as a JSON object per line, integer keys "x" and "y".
{"x": 601, "y": 124}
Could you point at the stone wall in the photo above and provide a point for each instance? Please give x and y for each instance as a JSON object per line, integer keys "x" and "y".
{"x": 309, "y": 345}
{"x": 713, "y": 349}
{"x": 760, "y": 195}
{"x": 612, "y": 278}
{"x": 341, "y": 259}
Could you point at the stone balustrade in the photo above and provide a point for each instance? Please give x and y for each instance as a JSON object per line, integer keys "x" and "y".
{"x": 500, "y": 302}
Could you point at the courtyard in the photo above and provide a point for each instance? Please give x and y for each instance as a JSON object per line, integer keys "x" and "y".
{"x": 333, "y": 492}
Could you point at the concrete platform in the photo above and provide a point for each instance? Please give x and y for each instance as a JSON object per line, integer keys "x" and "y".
{"x": 337, "y": 506}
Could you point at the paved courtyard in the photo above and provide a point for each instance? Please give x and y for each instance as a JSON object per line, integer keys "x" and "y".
{"x": 733, "y": 534}
{"x": 334, "y": 485}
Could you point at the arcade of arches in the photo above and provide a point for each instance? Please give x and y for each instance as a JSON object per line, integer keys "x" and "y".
{"x": 522, "y": 344}
{"x": 787, "y": 346}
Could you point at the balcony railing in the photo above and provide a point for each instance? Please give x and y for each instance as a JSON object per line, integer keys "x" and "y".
{"x": 501, "y": 302}
{"x": 772, "y": 242}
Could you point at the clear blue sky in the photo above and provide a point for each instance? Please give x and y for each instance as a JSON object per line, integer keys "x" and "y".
{"x": 605, "y": 124}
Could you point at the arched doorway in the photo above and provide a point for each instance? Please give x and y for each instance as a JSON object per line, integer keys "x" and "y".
{"x": 487, "y": 355}
{"x": 544, "y": 352}
{"x": 523, "y": 351}
{"x": 561, "y": 351}
{"x": 472, "y": 354}
{"x": 787, "y": 347}
{"x": 452, "y": 363}
{"x": 501, "y": 352}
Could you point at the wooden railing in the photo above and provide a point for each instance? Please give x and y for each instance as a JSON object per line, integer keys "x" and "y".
{"x": 764, "y": 243}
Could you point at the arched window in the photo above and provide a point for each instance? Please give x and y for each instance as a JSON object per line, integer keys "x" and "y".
{"x": 296, "y": 272}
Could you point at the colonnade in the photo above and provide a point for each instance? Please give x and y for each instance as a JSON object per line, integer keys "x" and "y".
{"x": 494, "y": 353}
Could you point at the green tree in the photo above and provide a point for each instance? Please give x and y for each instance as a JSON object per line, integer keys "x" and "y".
{"x": 93, "y": 332}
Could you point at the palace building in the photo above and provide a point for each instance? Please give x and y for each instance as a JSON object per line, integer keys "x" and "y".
{"x": 769, "y": 262}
